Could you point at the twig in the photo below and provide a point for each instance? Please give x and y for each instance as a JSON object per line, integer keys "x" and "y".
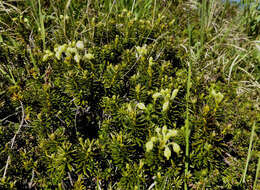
{"x": 13, "y": 139}
{"x": 31, "y": 182}
{"x": 2, "y": 120}
{"x": 151, "y": 186}
{"x": 71, "y": 181}
{"x": 75, "y": 119}
{"x": 131, "y": 68}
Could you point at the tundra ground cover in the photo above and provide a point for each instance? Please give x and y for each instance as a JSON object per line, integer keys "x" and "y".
{"x": 129, "y": 95}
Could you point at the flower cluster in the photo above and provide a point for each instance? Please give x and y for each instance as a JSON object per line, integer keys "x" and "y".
{"x": 72, "y": 50}
{"x": 163, "y": 137}
{"x": 167, "y": 97}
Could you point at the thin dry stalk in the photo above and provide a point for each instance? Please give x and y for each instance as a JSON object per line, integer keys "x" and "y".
{"x": 13, "y": 139}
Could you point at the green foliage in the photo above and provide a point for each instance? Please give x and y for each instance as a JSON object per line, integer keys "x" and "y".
{"x": 92, "y": 96}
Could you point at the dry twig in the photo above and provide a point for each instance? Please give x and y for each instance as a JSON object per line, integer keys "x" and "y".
{"x": 13, "y": 139}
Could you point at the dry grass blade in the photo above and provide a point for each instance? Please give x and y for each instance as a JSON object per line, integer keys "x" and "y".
{"x": 13, "y": 139}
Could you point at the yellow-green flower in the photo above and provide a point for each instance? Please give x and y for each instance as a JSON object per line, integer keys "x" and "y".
{"x": 149, "y": 146}
{"x": 176, "y": 148}
{"x": 80, "y": 45}
{"x": 77, "y": 58}
{"x": 88, "y": 56}
{"x": 167, "y": 152}
{"x": 141, "y": 106}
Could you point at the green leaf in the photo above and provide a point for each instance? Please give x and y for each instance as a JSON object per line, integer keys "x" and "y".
{"x": 69, "y": 167}
{"x": 206, "y": 109}
{"x": 258, "y": 18}
{"x": 219, "y": 97}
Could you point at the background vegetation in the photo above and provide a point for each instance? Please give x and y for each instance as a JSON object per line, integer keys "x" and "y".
{"x": 129, "y": 94}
